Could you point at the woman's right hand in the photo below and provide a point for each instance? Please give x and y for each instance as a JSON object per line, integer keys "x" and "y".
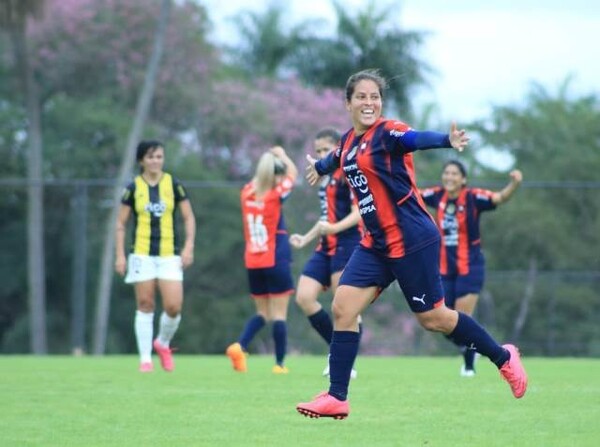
{"x": 297, "y": 240}
{"x": 311, "y": 172}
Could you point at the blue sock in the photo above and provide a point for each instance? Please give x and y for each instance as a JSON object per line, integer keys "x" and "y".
{"x": 321, "y": 321}
{"x": 253, "y": 325}
{"x": 280, "y": 339}
{"x": 342, "y": 353}
{"x": 470, "y": 334}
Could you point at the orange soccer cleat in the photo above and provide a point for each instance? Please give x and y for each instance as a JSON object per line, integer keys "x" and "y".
{"x": 237, "y": 356}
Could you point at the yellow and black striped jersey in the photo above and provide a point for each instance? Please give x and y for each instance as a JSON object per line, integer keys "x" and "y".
{"x": 153, "y": 207}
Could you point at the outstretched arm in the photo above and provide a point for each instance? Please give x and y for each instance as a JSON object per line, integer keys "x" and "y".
{"x": 516, "y": 177}
{"x": 414, "y": 140}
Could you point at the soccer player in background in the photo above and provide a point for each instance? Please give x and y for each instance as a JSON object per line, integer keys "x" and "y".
{"x": 155, "y": 261}
{"x": 458, "y": 210}
{"x": 339, "y": 233}
{"x": 402, "y": 241}
{"x": 268, "y": 254}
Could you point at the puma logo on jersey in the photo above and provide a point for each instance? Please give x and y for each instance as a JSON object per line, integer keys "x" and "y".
{"x": 421, "y": 300}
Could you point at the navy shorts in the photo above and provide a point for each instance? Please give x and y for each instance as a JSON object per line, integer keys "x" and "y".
{"x": 460, "y": 285}
{"x": 271, "y": 281}
{"x": 321, "y": 266}
{"x": 417, "y": 274}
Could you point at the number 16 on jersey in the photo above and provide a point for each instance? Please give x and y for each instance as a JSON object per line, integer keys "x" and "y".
{"x": 257, "y": 230}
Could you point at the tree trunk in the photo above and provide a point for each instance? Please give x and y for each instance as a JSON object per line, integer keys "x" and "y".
{"x": 527, "y": 297}
{"x": 141, "y": 113}
{"x": 36, "y": 271}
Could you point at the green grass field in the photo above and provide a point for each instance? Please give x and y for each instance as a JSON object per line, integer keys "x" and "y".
{"x": 401, "y": 401}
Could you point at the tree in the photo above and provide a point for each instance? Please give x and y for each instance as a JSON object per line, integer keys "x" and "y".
{"x": 551, "y": 224}
{"x": 269, "y": 111}
{"x": 87, "y": 46}
{"x": 266, "y": 44}
{"x": 14, "y": 14}
{"x": 366, "y": 40}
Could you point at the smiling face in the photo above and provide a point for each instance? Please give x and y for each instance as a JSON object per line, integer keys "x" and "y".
{"x": 364, "y": 105}
{"x": 153, "y": 161}
{"x": 453, "y": 179}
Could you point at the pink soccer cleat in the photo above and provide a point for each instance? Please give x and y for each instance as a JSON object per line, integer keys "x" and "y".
{"x": 146, "y": 367}
{"x": 324, "y": 405}
{"x": 513, "y": 372}
{"x": 166, "y": 356}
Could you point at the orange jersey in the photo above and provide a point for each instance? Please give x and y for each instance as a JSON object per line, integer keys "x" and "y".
{"x": 263, "y": 222}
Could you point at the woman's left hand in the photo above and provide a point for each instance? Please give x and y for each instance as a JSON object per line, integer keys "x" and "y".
{"x": 458, "y": 138}
{"x": 187, "y": 257}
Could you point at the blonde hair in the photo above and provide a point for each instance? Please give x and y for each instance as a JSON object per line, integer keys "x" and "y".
{"x": 264, "y": 177}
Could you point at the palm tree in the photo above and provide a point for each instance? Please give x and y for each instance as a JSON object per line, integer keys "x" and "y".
{"x": 366, "y": 40}
{"x": 141, "y": 113}
{"x": 14, "y": 15}
{"x": 266, "y": 43}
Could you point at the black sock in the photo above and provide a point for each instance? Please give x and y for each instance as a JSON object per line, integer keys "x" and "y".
{"x": 253, "y": 325}
{"x": 342, "y": 353}
{"x": 469, "y": 356}
{"x": 470, "y": 334}
{"x": 321, "y": 321}
{"x": 280, "y": 339}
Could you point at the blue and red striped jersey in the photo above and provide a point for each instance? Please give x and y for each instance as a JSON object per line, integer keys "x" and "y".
{"x": 458, "y": 223}
{"x": 336, "y": 199}
{"x": 379, "y": 168}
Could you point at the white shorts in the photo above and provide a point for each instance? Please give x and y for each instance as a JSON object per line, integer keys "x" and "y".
{"x": 144, "y": 268}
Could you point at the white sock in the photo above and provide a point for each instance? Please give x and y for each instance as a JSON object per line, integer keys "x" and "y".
{"x": 167, "y": 328}
{"x": 144, "y": 331}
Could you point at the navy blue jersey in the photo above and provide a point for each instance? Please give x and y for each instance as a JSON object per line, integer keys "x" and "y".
{"x": 379, "y": 168}
{"x": 336, "y": 201}
{"x": 458, "y": 222}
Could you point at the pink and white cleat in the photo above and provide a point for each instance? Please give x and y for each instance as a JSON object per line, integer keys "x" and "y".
{"x": 146, "y": 367}
{"x": 513, "y": 372}
{"x": 166, "y": 356}
{"x": 324, "y": 405}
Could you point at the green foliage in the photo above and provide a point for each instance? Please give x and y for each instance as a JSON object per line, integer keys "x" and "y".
{"x": 266, "y": 42}
{"x": 552, "y": 139}
{"x": 84, "y": 137}
{"x": 12, "y": 124}
{"x": 103, "y": 47}
{"x": 367, "y": 39}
